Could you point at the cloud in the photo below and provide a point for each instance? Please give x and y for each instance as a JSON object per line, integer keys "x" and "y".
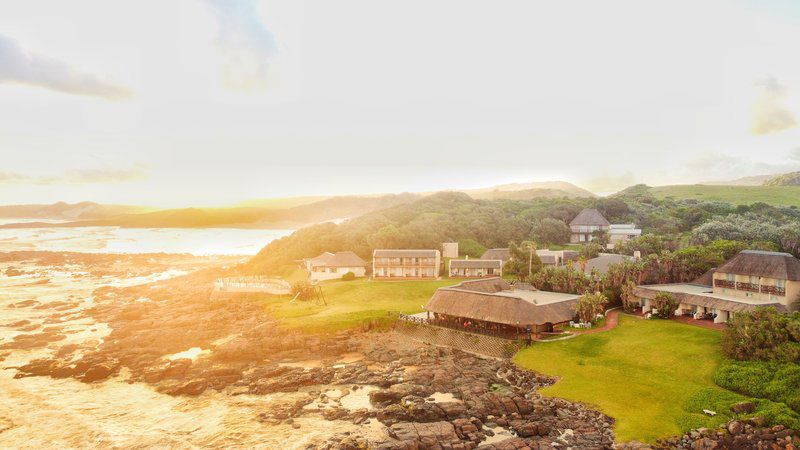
{"x": 247, "y": 46}
{"x": 77, "y": 176}
{"x": 768, "y": 113}
{"x": 794, "y": 154}
{"x": 11, "y": 177}
{"x": 21, "y": 67}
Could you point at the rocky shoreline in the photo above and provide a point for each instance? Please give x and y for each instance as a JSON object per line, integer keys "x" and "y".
{"x": 395, "y": 393}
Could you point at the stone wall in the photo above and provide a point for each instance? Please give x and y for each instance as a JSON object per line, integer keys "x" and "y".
{"x": 468, "y": 342}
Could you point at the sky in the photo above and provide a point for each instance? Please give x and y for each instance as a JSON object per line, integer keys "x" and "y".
{"x": 212, "y": 102}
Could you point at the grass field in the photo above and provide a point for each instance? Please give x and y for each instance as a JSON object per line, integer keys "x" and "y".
{"x": 352, "y": 304}
{"x": 653, "y": 376}
{"x": 735, "y": 195}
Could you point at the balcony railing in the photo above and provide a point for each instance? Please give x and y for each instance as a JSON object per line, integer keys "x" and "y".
{"x": 775, "y": 290}
{"x": 751, "y": 287}
{"x": 725, "y": 284}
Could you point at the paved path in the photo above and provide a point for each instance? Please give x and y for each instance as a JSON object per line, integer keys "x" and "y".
{"x": 612, "y": 319}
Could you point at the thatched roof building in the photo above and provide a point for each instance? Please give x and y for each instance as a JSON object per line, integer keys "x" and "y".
{"x": 496, "y": 301}
{"x": 476, "y": 264}
{"x": 503, "y": 254}
{"x": 405, "y": 253}
{"x": 590, "y": 217}
{"x": 338, "y": 259}
{"x": 763, "y": 264}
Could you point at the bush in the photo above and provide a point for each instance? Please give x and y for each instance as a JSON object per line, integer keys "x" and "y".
{"x": 349, "y": 276}
{"x": 471, "y": 248}
{"x": 303, "y": 290}
{"x": 764, "y": 334}
{"x": 665, "y": 305}
{"x": 779, "y": 382}
{"x": 589, "y": 306}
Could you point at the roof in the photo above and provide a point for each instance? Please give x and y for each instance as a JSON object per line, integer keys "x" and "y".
{"x": 338, "y": 259}
{"x": 405, "y": 253}
{"x": 494, "y": 300}
{"x": 700, "y": 295}
{"x": 548, "y": 259}
{"x": 706, "y": 279}
{"x": 590, "y": 216}
{"x": 476, "y": 263}
{"x": 763, "y": 264}
{"x": 603, "y": 262}
{"x": 503, "y": 254}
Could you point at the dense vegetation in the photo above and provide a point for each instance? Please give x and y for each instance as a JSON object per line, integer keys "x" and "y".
{"x": 681, "y": 227}
{"x": 764, "y": 351}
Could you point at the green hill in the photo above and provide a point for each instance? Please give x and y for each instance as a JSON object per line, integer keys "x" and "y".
{"x": 735, "y": 195}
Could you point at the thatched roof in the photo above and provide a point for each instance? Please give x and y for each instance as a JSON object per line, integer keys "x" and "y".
{"x": 476, "y": 264}
{"x": 700, "y": 295}
{"x": 338, "y": 259}
{"x": 589, "y": 217}
{"x": 706, "y": 279}
{"x": 763, "y": 264}
{"x": 404, "y": 253}
{"x": 503, "y": 254}
{"x": 475, "y": 300}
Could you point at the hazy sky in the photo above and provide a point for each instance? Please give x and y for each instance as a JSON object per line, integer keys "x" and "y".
{"x": 202, "y": 102}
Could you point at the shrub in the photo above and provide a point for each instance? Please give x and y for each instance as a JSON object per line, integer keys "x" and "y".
{"x": 349, "y": 276}
{"x": 764, "y": 334}
{"x": 471, "y": 248}
{"x": 589, "y": 306}
{"x": 779, "y": 382}
{"x": 665, "y": 305}
{"x": 303, "y": 290}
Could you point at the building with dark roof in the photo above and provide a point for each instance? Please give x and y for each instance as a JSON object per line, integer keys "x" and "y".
{"x": 503, "y": 254}
{"x": 494, "y": 304}
{"x": 590, "y": 220}
{"x": 747, "y": 281}
{"x": 406, "y": 264}
{"x": 475, "y": 268}
{"x": 585, "y": 223}
{"x": 328, "y": 266}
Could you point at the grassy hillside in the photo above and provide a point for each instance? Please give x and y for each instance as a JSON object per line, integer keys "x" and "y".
{"x": 735, "y": 195}
{"x": 352, "y": 304}
{"x": 654, "y": 377}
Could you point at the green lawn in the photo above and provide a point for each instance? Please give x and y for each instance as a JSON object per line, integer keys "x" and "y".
{"x": 653, "y": 376}
{"x": 735, "y": 195}
{"x": 352, "y": 304}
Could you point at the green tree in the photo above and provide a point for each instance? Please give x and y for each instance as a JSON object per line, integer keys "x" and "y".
{"x": 471, "y": 248}
{"x": 665, "y": 305}
{"x": 551, "y": 231}
{"x": 589, "y": 306}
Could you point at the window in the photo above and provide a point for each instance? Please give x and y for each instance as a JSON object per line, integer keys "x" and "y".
{"x": 753, "y": 280}
{"x": 780, "y": 284}
{"x": 730, "y": 277}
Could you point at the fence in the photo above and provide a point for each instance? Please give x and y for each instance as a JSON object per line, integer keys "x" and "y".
{"x": 274, "y": 286}
{"x": 468, "y": 342}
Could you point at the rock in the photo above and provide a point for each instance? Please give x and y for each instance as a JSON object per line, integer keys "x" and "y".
{"x": 743, "y": 408}
{"x": 193, "y": 387}
{"x": 98, "y": 372}
{"x": 735, "y": 427}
